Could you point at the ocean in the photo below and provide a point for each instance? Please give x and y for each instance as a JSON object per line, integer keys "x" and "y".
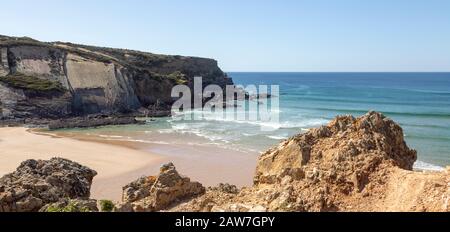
{"x": 419, "y": 102}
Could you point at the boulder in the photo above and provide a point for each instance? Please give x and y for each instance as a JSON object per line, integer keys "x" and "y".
{"x": 36, "y": 183}
{"x": 138, "y": 190}
{"x": 355, "y": 146}
{"x": 149, "y": 194}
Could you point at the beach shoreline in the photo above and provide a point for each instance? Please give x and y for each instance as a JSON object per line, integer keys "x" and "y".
{"x": 121, "y": 162}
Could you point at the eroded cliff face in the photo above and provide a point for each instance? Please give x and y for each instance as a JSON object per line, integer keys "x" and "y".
{"x": 93, "y": 79}
{"x": 99, "y": 86}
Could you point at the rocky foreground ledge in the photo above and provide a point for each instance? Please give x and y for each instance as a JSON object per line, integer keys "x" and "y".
{"x": 37, "y": 183}
{"x": 352, "y": 164}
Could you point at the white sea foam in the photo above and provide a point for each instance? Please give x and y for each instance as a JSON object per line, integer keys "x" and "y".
{"x": 274, "y": 125}
{"x": 129, "y": 139}
{"x": 185, "y": 129}
{"x": 110, "y": 136}
{"x": 147, "y": 141}
{"x": 180, "y": 126}
{"x": 166, "y": 131}
{"x": 420, "y": 165}
{"x": 276, "y": 137}
{"x": 207, "y": 116}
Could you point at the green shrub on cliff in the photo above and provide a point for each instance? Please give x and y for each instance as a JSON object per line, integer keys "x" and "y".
{"x": 106, "y": 206}
{"x": 71, "y": 207}
{"x": 178, "y": 77}
{"x": 20, "y": 81}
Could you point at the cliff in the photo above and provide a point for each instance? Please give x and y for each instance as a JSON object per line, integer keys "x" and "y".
{"x": 54, "y": 80}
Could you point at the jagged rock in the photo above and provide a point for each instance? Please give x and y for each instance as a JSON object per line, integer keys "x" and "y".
{"x": 358, "y": 145}
{"x": 239, "y": 208}
{"x": 36, "y": 183}
{"x": 138, "y": 189}
{"x": 124, "y": 208}
{"x": 258, "y": 209}
{"x": 352, "y": 164}
{"x": 226, "y": 188}
{"x": 149, "y": 194}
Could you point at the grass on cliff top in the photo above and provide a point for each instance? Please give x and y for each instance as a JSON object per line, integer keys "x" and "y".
{"x": 116, "y": 55}
{"x": 20, "y": 81}
{"x": 17, "y": 41}
{"x": 119, "y": 53}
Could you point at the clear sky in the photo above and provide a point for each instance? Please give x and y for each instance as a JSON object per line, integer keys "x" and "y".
{"x": 252, "y": 35}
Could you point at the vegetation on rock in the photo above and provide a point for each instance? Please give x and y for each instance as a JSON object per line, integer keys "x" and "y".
{"x": 178, "y": 77}
{"x": 71, "y": 207}
{"x": 20, "y": 81}
{"x": 18, "y": 41}
{"x": 106, "y": 206}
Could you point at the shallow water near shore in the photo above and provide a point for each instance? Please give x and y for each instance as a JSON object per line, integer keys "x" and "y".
{"x": 419, "y": 102}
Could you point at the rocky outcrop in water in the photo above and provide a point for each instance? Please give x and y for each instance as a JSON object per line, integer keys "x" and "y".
{"x": 37, "y": 183}
{"x": 155, "y": 193}
{"x": 91, "y": 121}
{"x": 54, "y": 80}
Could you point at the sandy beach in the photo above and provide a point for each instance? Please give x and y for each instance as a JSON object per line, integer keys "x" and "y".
{"x": 119, "y": 162}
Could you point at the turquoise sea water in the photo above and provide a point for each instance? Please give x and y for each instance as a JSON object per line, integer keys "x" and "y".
{"x": 420, "y": 102}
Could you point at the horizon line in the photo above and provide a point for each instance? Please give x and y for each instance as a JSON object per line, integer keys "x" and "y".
{"x": 337, "y": 71}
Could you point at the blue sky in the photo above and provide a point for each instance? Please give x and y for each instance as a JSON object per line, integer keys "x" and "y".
{"x": 252, "y": 35}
